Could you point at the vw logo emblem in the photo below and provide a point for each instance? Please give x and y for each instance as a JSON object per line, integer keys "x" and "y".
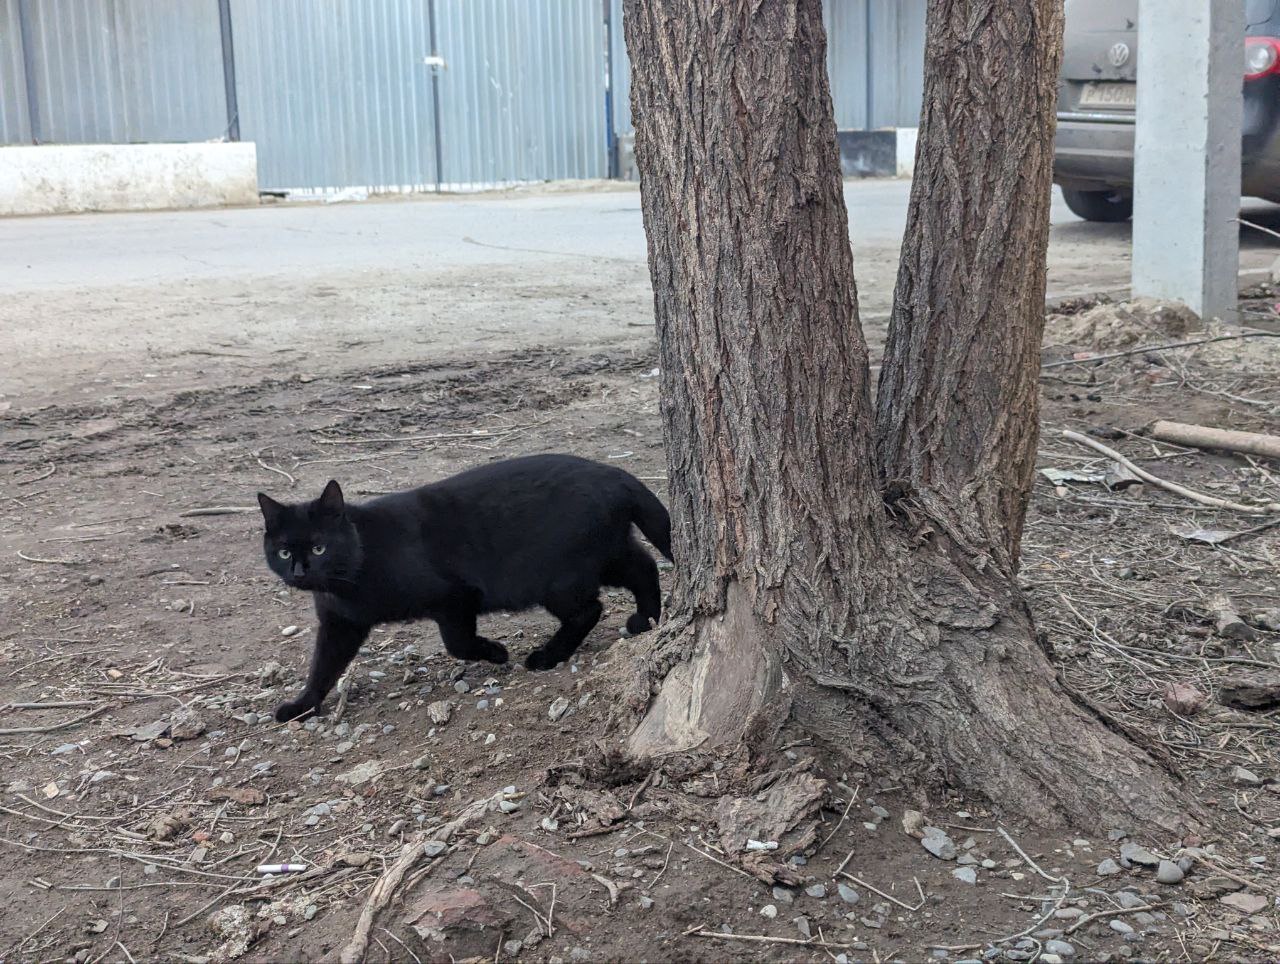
{"x": 1118, "y": 55}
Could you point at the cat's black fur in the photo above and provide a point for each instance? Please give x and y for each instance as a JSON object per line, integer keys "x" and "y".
{"x": 545, "y": 530}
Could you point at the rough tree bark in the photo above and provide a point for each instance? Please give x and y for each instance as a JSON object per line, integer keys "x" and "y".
{"x": 848, "y": 568}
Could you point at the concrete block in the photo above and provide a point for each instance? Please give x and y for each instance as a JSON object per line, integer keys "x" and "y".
{"x": 68, "y": 178}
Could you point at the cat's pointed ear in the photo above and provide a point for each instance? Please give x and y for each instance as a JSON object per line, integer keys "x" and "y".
{"x": 330, "y": 501}
{"x": 271, "y": 510}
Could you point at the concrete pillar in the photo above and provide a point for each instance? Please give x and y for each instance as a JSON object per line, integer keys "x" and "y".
{"x": 1187, "y": 153}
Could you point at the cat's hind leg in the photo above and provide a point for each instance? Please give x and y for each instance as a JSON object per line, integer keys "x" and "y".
{"x": 458, "y": 631}
{"x": 578, "y": 611}
{"x": 635, "y": 571}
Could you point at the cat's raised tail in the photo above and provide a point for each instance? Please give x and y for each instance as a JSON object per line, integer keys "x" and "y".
{"x": 651, "y": 518}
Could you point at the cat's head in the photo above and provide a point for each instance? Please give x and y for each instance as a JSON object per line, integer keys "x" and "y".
{"x": 312, "y": 545}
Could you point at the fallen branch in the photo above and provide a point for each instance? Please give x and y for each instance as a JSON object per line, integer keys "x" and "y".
{"x": 890, "y": 897}
{"x": 1225, "y": 440}
{"x": 14, "y": 730}
{"x": 218, "y": 510}
{"x": 1116, "y": 912}
{"x": 49, "y": 562}
{"x": 761, "y": 939}
{"x": 1174, "y": 487}
{"x": 1143, "y": 349}
{"x": 387, "y": 885}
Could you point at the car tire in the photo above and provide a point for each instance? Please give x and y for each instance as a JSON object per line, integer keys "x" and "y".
{"x": 1099, "y": 205}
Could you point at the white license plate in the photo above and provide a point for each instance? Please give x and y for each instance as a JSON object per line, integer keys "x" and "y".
{"x": 1113, "y": 95}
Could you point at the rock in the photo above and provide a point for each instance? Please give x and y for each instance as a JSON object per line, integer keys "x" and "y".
{"x": 1212, "y": 887}
{"x": 802, "y": 925}
{"x": 769, "y": 911}
{"x": 422, "y": 763}
{"x": 646, "y": 903}
{"x": 272, "y": 674}
{"x": 361, "y": 773}
{"x": 513, "y": 948}
{"x": 848, "y": 894}
{"x": 150, "y": 731}
{"x": 1246, "y": 903}
{"x": 64, "y": 749}
{"x": 1227, "y": 622}
{"x": 310, "y": 912}
{"x": 550, "y": 825}
{"x": 461, "y": 687}
{"x": 1049, "y": 958}
{"x": 816, "y": 890}
{"x": 1169, "y": 873}
{"x": 782, "y": 895}
{"x": 966, "y": 860}
{"x": 1129, "y": 900}
{"x": 357, "y": 858}
{"x": 559, "y": 707}
{"x": 965, "y": 875}
{"x": 912, "y": 823}
{"x": 1250, "y": 690}
{"x": 1245, "y": 778}
{"x": 988, "y": 864}
{"x": 1183, "y": 699}
{"x": 1137, "y": 854}
{"x": 440, "y": 711}
{"x": 1108, "y": 868}
{"x": 880, "y": 813}
{"x": 1061, "y": 948}
{"x": 461, "y": 915}
{"x": 396, "y": 827}
{"x": 346, "y": 746}
{"x": 1120, "y": 927}
{"x": 434, "y": 848}
{"x": 938, "y": 843}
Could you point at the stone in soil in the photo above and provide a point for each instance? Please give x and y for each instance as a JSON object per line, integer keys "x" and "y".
{"x": 440, "y": 711}
{"x": 1246, "y": 778}
{"x": 1061, "y": 948}
{"x": 965, "y": 874}
{"x": 783, "y": 895}
{"x": 848, "y": 894}
{"x": 1108, "y": 868}
{"x": 1129, "y": 900}
{"x": 802, "y": 925}
{"x": 938, "y": 843}
{"x": 558, "y": 708}
{"x": 1246, "y": 903}
{"x": 1120, "y": 927}
{"x": 769, "y": 911}
{"x": 1169, "y": 873}
{"x": 816, "y": 890}
{"x": 1137, "y": 854}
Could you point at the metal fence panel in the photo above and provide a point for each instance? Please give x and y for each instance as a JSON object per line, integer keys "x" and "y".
{"x": 846, "y": 23}
{"x": 522, "y": 91}
{"x": 620, "y": 72}
{"x": 897, "y": 62}
{"x": 15, "y": 127}
{"x": 336, "y": 94}
{"x": 122, "y": 71}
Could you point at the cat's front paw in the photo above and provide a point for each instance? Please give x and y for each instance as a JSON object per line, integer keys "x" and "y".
{"x": 294, "y": 709}
{"x": 540, "y": 659}
{"x": 491, "y": 652}
{"x": 637, "y": 624}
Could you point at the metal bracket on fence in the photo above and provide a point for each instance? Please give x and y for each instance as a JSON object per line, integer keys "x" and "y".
{"x": 437, "y": 62}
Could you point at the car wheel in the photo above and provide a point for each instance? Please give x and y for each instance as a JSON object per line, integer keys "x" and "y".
{"x": 1099, "y": 205}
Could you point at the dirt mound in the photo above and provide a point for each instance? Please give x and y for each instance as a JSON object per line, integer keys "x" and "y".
{"x": 1121, "y": 324}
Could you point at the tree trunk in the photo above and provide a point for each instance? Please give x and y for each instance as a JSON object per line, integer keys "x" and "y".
{"x": 849, "y": 570}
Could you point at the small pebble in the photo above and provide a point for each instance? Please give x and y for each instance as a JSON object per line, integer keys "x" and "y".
{"x": 422, "y": 763}
{"x": 395, "y": 828}
{"x": 433, "y": 848}
{"x": 461, "y": 686}
{"x": 802, "y": 925}
{"x": 848, "y": 894}
{"x": 769, "y": 911}
{"x": 346, "y": 746}
{"x": 310, "y": 912}
{"x": 782, "y": 895}
{"x": 1108, "y": 868}
{"x": 289, "y": 631}
{"x": 817, "y": 890}
{"x": 1061, "y": 948}
{"x": 646, "y": 902}
{"x": 965, "y": 874}
{"x": 482, "y": 704}
{"x": 1120, "y": 927}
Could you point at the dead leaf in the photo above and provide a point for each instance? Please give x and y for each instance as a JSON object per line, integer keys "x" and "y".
{"x": 249, "y": 796}
{"x": 1211, "y": 537}
{"x": 170, "y": 824}
{"x": 1087, "y": 476}
{"x": 51, "y": 790}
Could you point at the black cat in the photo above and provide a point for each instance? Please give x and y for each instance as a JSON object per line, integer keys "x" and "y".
{"x": 546, "y": 530}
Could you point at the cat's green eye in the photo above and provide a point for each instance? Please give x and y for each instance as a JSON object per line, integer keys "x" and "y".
{"x": 318, "y": 550}
{"x": 283, "y": 553}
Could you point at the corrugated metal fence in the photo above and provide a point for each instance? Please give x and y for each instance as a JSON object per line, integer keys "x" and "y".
{"x": 384, "y": 94}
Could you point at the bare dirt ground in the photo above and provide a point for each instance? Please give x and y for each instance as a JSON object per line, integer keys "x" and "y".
{"x": 144, "y": 648}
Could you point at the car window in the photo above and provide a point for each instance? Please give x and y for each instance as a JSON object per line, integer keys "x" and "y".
{"x": 1257, "y": 12}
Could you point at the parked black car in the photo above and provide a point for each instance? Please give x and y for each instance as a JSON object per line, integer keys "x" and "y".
{"x": 1093, "y": 155}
